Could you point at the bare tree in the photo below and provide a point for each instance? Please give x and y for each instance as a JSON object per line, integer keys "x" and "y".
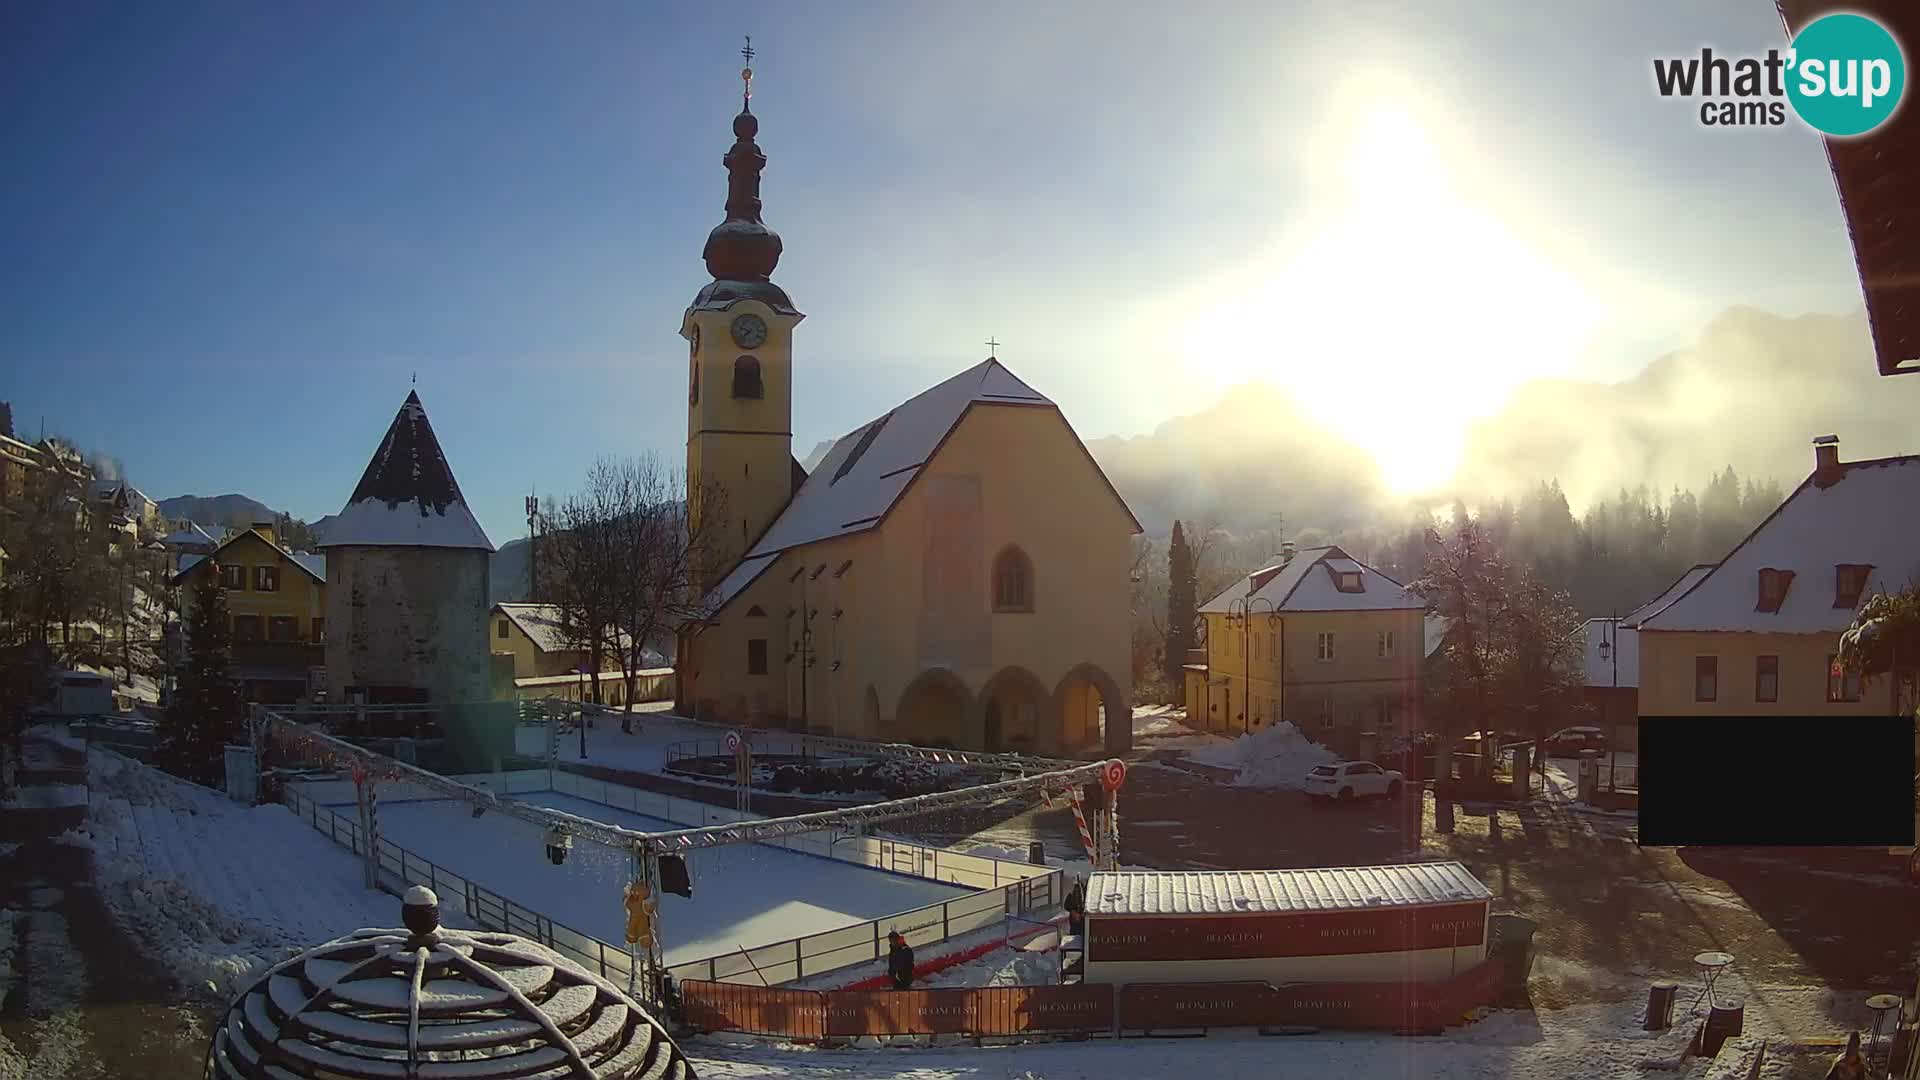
{"x": 662, "y": 548}
{"x": 621, "y": 561}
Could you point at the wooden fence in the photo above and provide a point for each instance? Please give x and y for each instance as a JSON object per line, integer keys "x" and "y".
{"x": 1085, "y": 1008}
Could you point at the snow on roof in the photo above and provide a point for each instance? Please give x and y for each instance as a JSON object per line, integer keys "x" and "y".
{"x": 408, "y": 496}
{"x": 1294, "y": 586}
{"x": 315, "y": 565}
{"x": 1230, "y": 892}
{"x": 1869, "y": 517}
{"x": 541, "y": 623}
{"x": 1667, "y": 595}
{"x": 863, "y": 475}
{"x": 1625, "y": 651}
{"x": 192, "y": 534}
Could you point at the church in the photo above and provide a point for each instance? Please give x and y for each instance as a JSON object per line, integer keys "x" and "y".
{"x": 953, "y": 573}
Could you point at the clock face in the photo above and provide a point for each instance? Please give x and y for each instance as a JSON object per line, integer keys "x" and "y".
{"x": 749, "y": 331}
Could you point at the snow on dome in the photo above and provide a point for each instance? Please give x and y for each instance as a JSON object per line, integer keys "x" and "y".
{"x": 408, "y": 496}
{"x": 421, "y": 896}
{"x": 389, "y": 1003}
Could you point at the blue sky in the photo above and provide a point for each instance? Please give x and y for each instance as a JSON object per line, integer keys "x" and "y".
{"x": 234, "y": 231}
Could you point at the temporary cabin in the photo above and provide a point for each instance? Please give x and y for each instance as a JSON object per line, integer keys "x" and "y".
{"x": 83, "y": 693}
{"x": 1416, "y": 922}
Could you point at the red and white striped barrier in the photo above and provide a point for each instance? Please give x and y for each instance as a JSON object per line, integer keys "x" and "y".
{"x": 1086, "y": 833}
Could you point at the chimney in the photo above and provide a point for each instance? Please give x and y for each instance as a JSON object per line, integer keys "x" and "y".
{"x": 1286, "y": 552}
{"x": 1826, "y": 461}
{"x": 266, "y": 529}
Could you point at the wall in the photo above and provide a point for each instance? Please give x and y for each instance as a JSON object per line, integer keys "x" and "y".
{"x": 743, "y": 444}
{"x": 405, "y": 616}
{"x": 1350, "y": 689}
{"x": 1038, "y": 489}
{"x": 1667, "y": 670}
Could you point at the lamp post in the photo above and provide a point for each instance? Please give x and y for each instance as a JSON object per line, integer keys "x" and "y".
{"x": 583, "y": 712}
{"x": 1610, "y": 652}
{"x": 1242, "y": 610}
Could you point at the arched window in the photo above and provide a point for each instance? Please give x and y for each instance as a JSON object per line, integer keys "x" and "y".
{"x": 1012, "y": 581}
{"x": 746, "y": 378}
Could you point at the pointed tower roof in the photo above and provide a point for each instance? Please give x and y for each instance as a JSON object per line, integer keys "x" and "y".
{"x": 742, "y": 251}
{"x": 408, "y": 496}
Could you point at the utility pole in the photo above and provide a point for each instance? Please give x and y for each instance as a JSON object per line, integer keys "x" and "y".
{"x": 533, "y": 548}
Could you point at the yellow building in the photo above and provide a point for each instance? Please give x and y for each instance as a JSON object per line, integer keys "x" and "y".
{"x": 545, "y": 664}
{"x": 277, "y": 601}
{"x": 1756, "y": 634}
{"x": 954, "y": 572}
{"x": 1318, "y": 639}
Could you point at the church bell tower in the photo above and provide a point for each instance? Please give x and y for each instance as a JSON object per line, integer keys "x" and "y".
{"x": 739, "y": 329}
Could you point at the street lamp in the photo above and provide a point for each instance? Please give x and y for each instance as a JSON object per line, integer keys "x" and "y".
{"x": 1242, "y": 610}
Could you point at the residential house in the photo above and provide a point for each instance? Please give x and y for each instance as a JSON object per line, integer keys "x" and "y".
{"x": 189, "y": 539}
{"x": 1610, "y": 661}
{"x": 18, "y": 462}
{"x": 1318, "y": 639}
{"x": 546, "y": 664}
{"x": 953, "y": 572}
{"x": 1757, "y": 633}
{"x": 277, "y": 601}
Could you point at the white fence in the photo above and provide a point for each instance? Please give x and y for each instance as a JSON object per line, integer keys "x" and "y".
{"x": 1006, "y": 888}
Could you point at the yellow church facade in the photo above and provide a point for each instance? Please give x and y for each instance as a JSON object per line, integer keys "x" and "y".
{"x": 954, "y": 572}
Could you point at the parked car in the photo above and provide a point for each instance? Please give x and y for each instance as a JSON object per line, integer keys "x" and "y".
{"x": 1347, "y": 780}
{"x": 1568, "y": 742}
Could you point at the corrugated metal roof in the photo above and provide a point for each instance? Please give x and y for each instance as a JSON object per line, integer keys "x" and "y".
{"x": 1262, "y": 892}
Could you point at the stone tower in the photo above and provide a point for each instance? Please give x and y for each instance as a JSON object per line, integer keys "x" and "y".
{"x": 407, "y": 594}
{"x": 739, "y": 329}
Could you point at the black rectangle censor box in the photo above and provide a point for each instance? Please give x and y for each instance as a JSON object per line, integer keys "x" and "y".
{"x": 1797, "y": 781}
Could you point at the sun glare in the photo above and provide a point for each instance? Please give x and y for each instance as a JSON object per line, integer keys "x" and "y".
{"x": 1404, "y": 315}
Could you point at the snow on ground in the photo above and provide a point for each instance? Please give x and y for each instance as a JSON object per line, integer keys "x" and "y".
{"x": 1164, "y": 727}
{"x": 1004, "y": 967}
{"x": 744, "y": 895}
{"x": 214, "y": 889}
{"x": 1273, "y": 757}
{"x": 643, "y": 751}
{"x": 55, "y": 733}
{"x": 46, "y": 797}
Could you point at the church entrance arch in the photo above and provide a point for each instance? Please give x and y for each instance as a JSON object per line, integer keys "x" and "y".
{"x": 933, "y": 711}
{"x": 1015, "y": 701}
{"x": 1092, "y": 713}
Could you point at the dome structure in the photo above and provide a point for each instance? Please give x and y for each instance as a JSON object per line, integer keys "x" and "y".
{"x": 425, "y": 1002}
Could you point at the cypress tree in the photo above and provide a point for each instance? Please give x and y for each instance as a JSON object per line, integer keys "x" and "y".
{"x": 207, "y": 712}
{"x": 1180, "y": 607}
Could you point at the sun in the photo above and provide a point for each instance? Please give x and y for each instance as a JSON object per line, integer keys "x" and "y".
{"x": 1405, "y": 314}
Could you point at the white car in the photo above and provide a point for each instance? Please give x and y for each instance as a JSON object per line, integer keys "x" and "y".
{"x": 1347, "y": 780}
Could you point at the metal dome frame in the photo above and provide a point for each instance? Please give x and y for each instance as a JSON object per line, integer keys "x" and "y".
{"x": 401, "y": 1005}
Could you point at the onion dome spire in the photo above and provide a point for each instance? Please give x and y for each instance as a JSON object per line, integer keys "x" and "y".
{"x": 742, "y": 248}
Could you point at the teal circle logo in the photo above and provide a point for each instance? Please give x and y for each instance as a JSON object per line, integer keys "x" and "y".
{"x": 1846, "y": 74}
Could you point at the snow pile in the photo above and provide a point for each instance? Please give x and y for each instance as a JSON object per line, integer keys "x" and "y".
{"x": 1273, "y": 757}
{"x": 1003, "y": 967}
{"x": 215, "y": 890}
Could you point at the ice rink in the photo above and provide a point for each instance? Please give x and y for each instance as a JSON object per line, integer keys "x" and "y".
{"x": 744, "y": 896}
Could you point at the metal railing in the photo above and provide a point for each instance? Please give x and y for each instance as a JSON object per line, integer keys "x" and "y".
{"x": 1004, "y": 889}
{"x": 401, "y": 868}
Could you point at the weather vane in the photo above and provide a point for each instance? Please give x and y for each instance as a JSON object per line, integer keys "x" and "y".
{"x": 746, "y": 73}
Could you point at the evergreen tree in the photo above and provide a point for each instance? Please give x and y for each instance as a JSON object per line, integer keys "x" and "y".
{"x": 1181, "y": 603}
{"x": 206, "y": 713}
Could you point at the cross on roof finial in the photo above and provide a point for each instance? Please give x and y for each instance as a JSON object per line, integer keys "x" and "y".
{"x": 746, "y": 74}
{"x": 995, "y": 346}
{"x": 416, "y": 378}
